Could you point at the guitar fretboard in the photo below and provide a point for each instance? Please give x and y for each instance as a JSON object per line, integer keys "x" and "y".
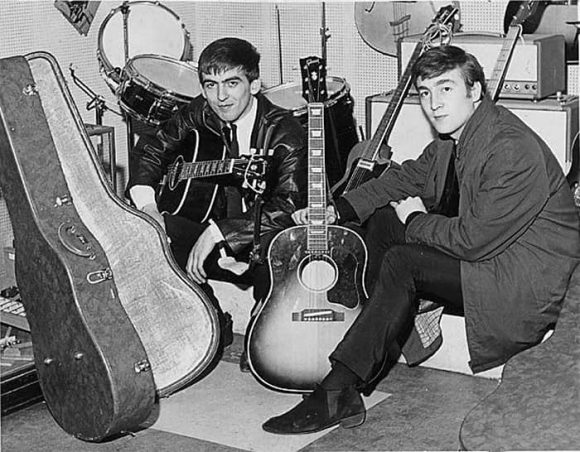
{"x": 317, "y": 225}
{"x": 206, "y": 168}
{"x": 495, "y": 83}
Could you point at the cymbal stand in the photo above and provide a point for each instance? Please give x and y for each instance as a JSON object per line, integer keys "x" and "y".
{"x": 324, "y": 33}
{"x": 124, "y": 8}
{"x": 279, "y": 33}
{"x": 99, "y": 104}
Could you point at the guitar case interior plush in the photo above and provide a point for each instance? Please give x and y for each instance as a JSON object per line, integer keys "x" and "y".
{"x": 173, "y": 318}
{"x": 85, "y": 348}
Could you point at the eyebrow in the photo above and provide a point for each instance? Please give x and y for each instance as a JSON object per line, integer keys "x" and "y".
{"x": 439, "y": 82}
{"x": 230, "y": 79}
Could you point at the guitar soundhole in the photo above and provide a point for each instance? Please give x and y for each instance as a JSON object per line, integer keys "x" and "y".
{"x": 318, "y": 273}
{"x": 174, "y": 171}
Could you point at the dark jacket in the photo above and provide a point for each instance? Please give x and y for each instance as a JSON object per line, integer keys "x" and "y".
{"x": 517, "y": 234}
{"x": 275, "y": 134}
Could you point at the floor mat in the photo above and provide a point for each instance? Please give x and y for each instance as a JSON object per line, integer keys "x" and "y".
{"x": 228, "y": 407}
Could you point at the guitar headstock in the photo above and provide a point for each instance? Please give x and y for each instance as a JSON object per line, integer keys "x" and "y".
{"x": 253, "y": 170}
{"x": 525, "y": 10}
{"x": 444, "y": 24}
{"x": 313, "y": 70}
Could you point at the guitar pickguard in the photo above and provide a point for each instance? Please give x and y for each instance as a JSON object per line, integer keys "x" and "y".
{"x": 297, "y": 327}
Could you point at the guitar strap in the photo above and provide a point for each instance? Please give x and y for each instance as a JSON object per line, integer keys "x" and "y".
{"x": 262, "y": 145}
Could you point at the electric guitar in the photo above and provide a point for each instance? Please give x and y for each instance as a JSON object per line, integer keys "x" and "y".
{"x": 495, "y": 83}
{"x": 366, "y": 160}
{"x": 317, "y": 277}
{"x": 184, "y": 191}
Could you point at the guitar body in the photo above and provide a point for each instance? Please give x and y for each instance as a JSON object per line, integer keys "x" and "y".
{"x": 173, "y": 317}
{"x": 364, "y": 171}
{"x": 383, "y": 24}
{"x": 92, "y": 367}
{"x": 313, "y": 301}
{"x": 195, "y": 199}
{"x": 371, "y": 158}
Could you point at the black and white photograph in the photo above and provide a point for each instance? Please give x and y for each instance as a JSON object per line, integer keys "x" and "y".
{"x": 289, "y": 226}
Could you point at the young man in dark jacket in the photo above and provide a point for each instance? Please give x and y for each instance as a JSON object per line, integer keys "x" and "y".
{"x": 231, "y": 118}
{"x": 500, "y": 245}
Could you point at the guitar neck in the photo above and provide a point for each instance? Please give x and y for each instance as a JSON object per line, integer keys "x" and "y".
{"x": 207, "y": 168}
{"x": 385, "y": 126}
{"x": 317, "y": 224}
{"x": 505, "y": 54}
{"x": 388, "y": 120}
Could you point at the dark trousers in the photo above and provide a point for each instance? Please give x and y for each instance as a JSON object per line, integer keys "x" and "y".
{"x": 184, "y": 233}
{"x": 398, "y": 274}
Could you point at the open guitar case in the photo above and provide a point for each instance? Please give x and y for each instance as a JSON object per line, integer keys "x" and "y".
{"x": 114, "y": 324}
{"x": 85, "y": 347}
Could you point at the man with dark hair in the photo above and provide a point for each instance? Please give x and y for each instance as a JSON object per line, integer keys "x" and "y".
{"x": 482, "y": 222}
{"x": 232, "y": 112}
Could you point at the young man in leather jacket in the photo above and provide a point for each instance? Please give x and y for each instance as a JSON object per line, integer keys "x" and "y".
{"x": 230, "y": 101}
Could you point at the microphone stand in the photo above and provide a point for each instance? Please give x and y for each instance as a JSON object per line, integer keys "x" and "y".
{"x": 99, "y": 104}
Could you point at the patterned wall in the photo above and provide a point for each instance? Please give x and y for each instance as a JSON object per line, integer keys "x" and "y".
{"x": 284, "y": 32}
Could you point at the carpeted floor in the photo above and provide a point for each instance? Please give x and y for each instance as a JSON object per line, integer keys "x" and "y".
{"x": 423, "y": 411}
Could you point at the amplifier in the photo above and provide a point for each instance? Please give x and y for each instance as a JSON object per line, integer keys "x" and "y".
{"x": 555, "y": 120}
{"x": 536, "y": 70}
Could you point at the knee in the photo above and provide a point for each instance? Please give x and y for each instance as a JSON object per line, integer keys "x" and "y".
{"x": 396, "y": 261}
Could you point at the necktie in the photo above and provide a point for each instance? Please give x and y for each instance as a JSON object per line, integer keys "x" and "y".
{"x": 233, "y": 195}
{"x": 449, "y": 204}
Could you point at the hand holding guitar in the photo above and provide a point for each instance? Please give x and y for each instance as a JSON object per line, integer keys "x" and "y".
{"x": 301, "y": 216}
{"x": 406, "y": 207}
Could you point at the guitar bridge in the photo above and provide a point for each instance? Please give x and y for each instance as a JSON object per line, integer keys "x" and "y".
{"x": 318, "y": 315}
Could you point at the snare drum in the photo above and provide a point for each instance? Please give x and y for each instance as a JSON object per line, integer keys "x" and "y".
{"x": 340, "y": 127}
{"x": 151, "y": 29}
{"x": 153, "y": 87}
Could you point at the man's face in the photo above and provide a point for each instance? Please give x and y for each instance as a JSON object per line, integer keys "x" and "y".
{"x": 229, "y": 93}
{"x": 448, "y": 102}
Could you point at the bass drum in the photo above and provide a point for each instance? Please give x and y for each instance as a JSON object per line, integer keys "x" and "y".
{"x": 340, "y": 127}
{"x": 151, "y": 29}
{"x": 153, "y": 87}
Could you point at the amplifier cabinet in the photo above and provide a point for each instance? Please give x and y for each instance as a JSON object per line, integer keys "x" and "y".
{"x": 556, "y": 121}
{"x": 537, "y": 68}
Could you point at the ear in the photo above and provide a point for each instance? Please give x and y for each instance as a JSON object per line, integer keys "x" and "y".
{"x": 255, "y": 86}
{"x": 476, "y": 91}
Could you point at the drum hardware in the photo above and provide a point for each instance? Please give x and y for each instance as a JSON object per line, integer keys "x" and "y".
{"x": 341, "y": 133}
{"x": 279, "y": 35}
{"x": 99, "y": 104}
{"x": 324, "y": 32}
{"x": 145, "y": 28}
{"x": 153, "y": 87}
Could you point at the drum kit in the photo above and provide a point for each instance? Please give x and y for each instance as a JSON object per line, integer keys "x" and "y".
{"x": 144, "y": 56}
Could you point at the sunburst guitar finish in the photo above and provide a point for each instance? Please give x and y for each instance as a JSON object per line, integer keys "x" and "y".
{"x": 317, "y": 277}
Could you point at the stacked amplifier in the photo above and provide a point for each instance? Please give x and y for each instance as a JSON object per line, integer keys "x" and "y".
{"x": 533, "y": 89}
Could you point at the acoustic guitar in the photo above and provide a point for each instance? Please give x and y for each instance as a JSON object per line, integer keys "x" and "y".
{"x": 370, "y": 158}
{"x": 189, "y": 189}
{"x": 317, "y": 277}
{"x": 382, "y": 24}
{"x": 525, "y": 10}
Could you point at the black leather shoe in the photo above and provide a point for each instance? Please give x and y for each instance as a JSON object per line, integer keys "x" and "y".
{"x": 244, "y": 364}
{"x": 320, "y": 410}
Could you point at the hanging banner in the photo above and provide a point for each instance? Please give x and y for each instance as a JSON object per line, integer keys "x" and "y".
{"x": 79, "y": 14}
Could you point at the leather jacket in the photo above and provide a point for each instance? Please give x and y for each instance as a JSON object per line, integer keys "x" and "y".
{"x": 276, "y": 134}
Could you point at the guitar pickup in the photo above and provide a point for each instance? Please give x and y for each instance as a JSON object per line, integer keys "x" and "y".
{"x": 318, "y": 315}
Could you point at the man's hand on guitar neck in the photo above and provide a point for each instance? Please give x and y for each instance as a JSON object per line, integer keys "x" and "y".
{"x": 301, "y": 216}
